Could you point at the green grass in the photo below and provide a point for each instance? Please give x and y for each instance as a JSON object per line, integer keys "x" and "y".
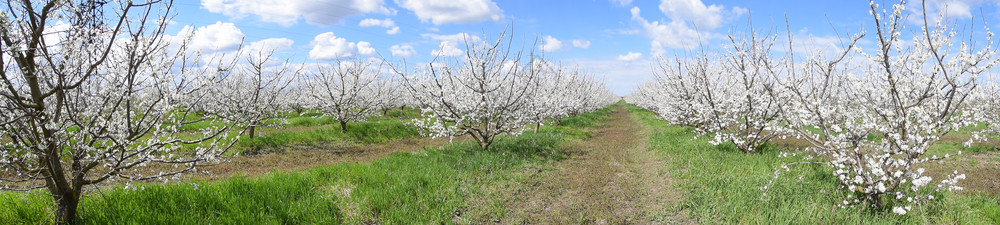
{"x": 573, "y": 126}
{"x": 428, "y": 186}
{"x": 359, "y": 133}
{"x": 722, "y": 185}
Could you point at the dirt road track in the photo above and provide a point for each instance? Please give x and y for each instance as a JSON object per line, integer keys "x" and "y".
{"x": 610, "y": 178}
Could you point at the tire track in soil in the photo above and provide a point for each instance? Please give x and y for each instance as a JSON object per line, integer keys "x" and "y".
{"x": 609, "y": 178}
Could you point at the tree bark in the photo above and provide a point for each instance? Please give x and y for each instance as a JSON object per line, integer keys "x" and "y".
{"x": 67, "y": 204}
{"x": 484, "y": 145}
{"x": 252, "y": 130}
{"x": 537, "y": 125}
{"x": 343, "y": 126}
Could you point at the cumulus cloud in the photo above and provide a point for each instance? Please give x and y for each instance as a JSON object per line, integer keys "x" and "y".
{"x": 394, "y": 30}
{"x": 216, "y": 37}
{"x": 631, "y": 56}
{"x": 550, "y": 44}
{"x": 448, "y": 48}
{"x": 327, "y": 46}
{"x": 675, "y": 34}
{"x": 402, "y": 50}
{"x": 288, "y": 12}
{"x": 694, "y": 11}
{"x": 690, "y": 24}
{"x": 386, "y": 23}
{"x": 451, "y": 11}
{"x": 271, "y": 44}
{"x": 365, "y": 48}
{"x": 952, "y": 9}
{"x": 581, "y": 43}
{"x": 449, "y": 43}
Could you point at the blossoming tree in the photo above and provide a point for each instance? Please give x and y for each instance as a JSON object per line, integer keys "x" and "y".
{"x": 483, "y": 94}
{"x": 348, "y": 91}
{"x": 88, "y": 97}
{"x": 873, "y": 120}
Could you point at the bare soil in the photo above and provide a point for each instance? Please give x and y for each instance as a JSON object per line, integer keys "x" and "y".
{"x": 609, "y": 178}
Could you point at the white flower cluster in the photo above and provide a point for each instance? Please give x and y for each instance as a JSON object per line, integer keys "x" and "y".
{"x": 731, "y": 96}
{"x": 871, "y": 114}
{"x": 348, "y": 91}
{"x": 494, "y": 90}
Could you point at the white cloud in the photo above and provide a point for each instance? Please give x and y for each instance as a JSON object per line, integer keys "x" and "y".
{"x": 675, "y": 34}
{"x": 369, "y": 22}
{"x": 402, "y": 50}
{"x": 386, "y": 23}
{"x": 327, "y": 46}
{"x": 622, "y": 2}
{"x": 449, "y": 43}
{"x": 394, "y": 30}
{"x": 694, "y": 11}
{"x": 365, "y": 48}
{"x": 448, "y": 48}
{"x": 952, "y": 9}
{"x": 288, "y": 12}
{"x": 631, "y": 56}
{"x": 581, "y": 43}
{"x": 689, "y": 24}
{"x": 550, "y": 44}
{"x": 271, "y": 44}
{"x": 216, "y": 37}
{"x": 451, "y": 11}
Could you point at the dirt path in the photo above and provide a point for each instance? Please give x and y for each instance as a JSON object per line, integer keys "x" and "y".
{"x": 610, "y": 178}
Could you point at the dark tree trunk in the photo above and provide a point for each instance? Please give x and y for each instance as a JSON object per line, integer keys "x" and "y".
{"x": 537, "y": 125}
{"x": 252, "y": 130}
{"x": 343, "y": 126}
{"x": 66, "y": 210}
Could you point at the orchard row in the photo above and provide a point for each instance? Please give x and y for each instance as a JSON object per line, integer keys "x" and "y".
{"x": 103, "y": 95}
{"x": 869, "y": 113}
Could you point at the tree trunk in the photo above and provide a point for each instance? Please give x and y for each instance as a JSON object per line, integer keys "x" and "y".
{"x": 484, "y": 145}
{"x": 252, "y": 130}
{"x": 66, "y": 211}
{"x": 537, "y": 125}
{"x": 385, "y": 111}
{"x": 343, "y": 126}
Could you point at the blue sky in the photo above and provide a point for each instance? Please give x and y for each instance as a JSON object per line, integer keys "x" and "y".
{"x": 616, "y": 40}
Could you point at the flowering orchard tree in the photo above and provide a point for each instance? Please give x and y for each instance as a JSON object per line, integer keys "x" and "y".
{"x": 253, "y": 89}
{"x": 391, "y": 94}
{"x": 875, "y": 128}
{"x": 483, "y": 94}
{"x": 88, "y": 97}
{"x": 348, "y": 91}
{"x": 731, "y": 97}
{"x": 647, "y": 96}
{"x": 583, "y": 93}
{"x": 562, "y": 91}
{"x": 985, "y": 109}
{"x": 681, "y": 104}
